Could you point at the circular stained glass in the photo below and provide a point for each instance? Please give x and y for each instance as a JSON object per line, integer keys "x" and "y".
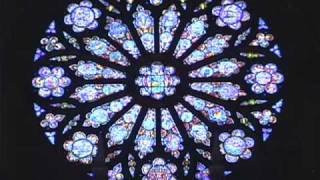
{"x": 160, "y": 84}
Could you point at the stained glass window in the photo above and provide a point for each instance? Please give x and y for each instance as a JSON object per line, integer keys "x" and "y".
{"x": 165, "y": 86}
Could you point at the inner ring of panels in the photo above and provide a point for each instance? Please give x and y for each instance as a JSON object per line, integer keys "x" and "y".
{"x": 161, "y": 88}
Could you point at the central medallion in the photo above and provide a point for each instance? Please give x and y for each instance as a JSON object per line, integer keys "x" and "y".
{"x": 157, "y": 80}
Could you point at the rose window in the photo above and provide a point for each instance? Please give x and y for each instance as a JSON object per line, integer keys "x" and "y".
{"x": 158, "y": 89}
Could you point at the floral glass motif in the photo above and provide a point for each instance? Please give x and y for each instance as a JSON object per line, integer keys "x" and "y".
{"x": 51, "y": 82}
{"x": 116, "y": 173}
{"x": 81, "y": 148}
{"x": 231, "y": 13}
{"x": 264, "y": 78}
{"x": 82, "y": 16}
{"x": 265, "y": 117}
{"x": 51, "y": 121}
{"x": 149, "y": 87}
{"x": 159, "y": 169}
{"x": 203, "y": 173}
{"x": 236, "y": 145}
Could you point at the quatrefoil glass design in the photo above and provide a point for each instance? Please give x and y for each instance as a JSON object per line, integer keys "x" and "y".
{"x": 157, "y": 81}
{"x": 154, "y": 85}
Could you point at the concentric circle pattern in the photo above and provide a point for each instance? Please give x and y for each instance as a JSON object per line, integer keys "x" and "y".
{"x": 161, "y": 89}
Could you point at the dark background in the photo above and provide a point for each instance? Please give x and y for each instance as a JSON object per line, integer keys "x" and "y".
{"x": 292, "y": 154}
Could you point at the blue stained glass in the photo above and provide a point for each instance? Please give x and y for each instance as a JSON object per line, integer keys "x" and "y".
{"x": 38, "y": 110}
{"x": 82, "y": 148}
{"x": 51, "y": 137}
{"x": 157, "y": 81}
{"x": 234, "y": 146}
